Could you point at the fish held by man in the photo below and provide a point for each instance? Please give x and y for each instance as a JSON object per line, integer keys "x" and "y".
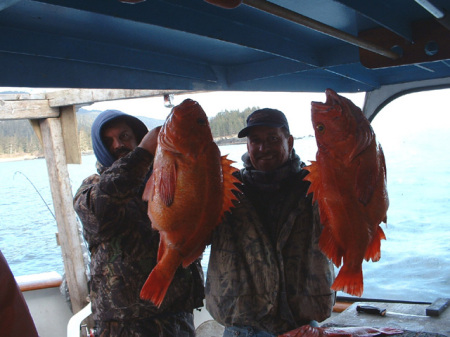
{"x": 309, "y": 331}
{"x": 348, "y": 181}
{"x": 189, "y": 191}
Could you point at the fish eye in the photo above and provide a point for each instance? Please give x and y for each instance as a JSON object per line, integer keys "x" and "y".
{"x": 201, "y": 121}
{"x": 320, "y": 128}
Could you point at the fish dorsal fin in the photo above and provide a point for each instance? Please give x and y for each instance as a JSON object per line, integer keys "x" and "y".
{"x": 167, "y": 184}
{"x": 314, "y": 178}
{"x": 229, "y": 181}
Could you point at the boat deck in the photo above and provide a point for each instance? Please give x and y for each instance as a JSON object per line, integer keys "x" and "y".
{"x": 411, "y": 318}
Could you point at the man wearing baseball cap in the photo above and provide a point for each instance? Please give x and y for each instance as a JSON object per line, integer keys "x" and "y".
{"x": 266, "y": 273}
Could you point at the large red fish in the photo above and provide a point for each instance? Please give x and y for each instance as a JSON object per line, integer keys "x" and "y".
{"x": 348, "y": 180}
{"x": 188, "y": 192}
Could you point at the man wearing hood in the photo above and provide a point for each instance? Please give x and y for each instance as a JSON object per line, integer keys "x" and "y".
{"x": 123, "y": 246}
{"x": 266, "y": 273}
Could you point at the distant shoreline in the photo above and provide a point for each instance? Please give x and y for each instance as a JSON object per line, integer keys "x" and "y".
{"x": 229, "y": 141}
{"x": 28, "y": 156}
{"x": 17, "y": 157}
{"x": 235, "y": 140}
{"x": 220, "y": 141}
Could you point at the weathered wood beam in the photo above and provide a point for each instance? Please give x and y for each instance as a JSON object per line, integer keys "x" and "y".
{"x": 68, "y": 232}
{"x": 69, "y": 126}
{"x": 89, "y": 96}
{"x": 26, "y": 109}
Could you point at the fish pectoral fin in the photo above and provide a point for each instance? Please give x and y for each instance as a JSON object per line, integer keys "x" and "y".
{"x": 167, "y": 184}
{"x": 366, "y": 180}
{"x": 328, "y": 245}
{"x": 148, "y": 190}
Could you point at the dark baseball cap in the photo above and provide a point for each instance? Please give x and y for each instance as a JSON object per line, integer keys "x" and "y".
{"x": 265, "y": 117}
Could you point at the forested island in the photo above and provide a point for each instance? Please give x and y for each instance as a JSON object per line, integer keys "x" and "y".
{"x": 17, "y": 138}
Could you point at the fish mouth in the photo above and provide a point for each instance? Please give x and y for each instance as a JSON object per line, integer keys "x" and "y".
{"x": 332, "y": 99}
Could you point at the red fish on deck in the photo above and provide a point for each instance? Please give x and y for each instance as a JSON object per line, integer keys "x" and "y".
{"x": 348, "y": 180}
{"x": 308, "y": 331}
{"x": 188, "y": 192}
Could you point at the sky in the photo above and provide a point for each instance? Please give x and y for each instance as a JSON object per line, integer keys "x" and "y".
{"x": 424, "y": 112}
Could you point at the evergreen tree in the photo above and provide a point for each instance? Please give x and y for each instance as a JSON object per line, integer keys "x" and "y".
{"x": 229, "y": 123}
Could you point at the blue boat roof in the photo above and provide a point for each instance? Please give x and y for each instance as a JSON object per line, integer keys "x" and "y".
{"x": 281, "y": 45}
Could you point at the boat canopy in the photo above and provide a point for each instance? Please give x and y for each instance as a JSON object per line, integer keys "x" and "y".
{"x": 259, "y": 45}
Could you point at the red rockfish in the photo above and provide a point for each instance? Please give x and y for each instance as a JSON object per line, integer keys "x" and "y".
{"x": 348, "y": 180}
{"x": 363, "y": 331}
{"x": 188, "y": 192}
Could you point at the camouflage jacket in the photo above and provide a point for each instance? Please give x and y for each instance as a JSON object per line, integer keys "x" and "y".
{"x": 123, "y": 246}
{"x": 265, "y": 268}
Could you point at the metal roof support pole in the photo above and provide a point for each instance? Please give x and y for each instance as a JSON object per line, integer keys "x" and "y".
{"x": 68, "y": 233}
{"x": 318, "y": 26}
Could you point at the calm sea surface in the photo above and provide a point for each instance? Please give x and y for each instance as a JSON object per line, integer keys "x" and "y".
{"x": 415, "y": 262}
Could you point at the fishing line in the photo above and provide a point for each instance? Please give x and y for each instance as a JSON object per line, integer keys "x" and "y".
{"x": 37, "y": 192}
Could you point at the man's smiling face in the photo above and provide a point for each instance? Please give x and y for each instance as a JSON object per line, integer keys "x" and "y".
{"x": 268, "y": 147}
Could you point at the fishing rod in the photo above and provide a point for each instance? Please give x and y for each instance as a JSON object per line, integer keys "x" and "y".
{"x": 42, "y": 198}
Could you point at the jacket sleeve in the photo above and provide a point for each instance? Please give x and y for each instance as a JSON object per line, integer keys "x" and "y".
{"x": 102, "y": 200}
{"x": 15, "y": 318}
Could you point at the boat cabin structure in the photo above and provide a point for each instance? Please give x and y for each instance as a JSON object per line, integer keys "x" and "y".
{"x": 105, "y": 50}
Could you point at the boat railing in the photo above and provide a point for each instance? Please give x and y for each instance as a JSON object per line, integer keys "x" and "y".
{"x": 39, "y": 281}
{"x": 49, "y": 308}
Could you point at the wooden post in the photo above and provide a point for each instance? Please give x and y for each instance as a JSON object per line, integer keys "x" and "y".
{"x": 69, "y": 236}
{"x": 69, "y": 126}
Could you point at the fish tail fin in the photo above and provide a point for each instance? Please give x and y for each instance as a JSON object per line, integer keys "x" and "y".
{"x": 373, "y": 251}
{"x": 155, "y": 288}
{"x": 229, "y": 181}
{"x": 328, "y": 245}
{"x": 159, "y": 280}
{"x": 349, "y": 281}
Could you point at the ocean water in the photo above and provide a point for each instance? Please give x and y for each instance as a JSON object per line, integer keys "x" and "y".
{"x": 415, "y": 258}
